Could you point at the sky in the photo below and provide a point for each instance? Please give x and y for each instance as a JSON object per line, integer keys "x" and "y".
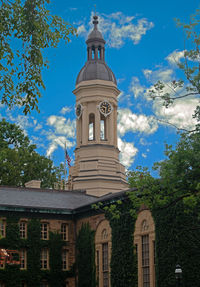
{"x": 143, "y": 45}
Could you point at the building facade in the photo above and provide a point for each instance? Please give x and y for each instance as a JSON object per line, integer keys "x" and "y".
{"x": 43, "y": 225}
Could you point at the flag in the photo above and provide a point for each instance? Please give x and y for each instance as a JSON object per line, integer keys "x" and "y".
{"x": 67, "y": 158}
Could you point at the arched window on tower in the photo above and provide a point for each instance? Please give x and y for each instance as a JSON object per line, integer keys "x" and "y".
{"x": 91, "y": 127}
{"x": 99, "y": 53}
{"x": 93, "y": 53}
{"x": 103, "y": 128}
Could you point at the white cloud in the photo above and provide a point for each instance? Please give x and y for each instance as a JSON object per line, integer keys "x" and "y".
{"x": 130, "y": 122}
{"x": 174, "y": 57}
{"x": 128, "y": 152}
{"x": 64, "y": 132}
{"x": 117, "y": 27}
{"x": 65, "y": 110}
{"x": 161, "y": 74}
{"x": 144, "y": 155}
{"x": 117, "y": 32}
{"x": 144, "y": 142}
{"x": 58, "y": 141}
{"x": 179, "y": 113}
{"x": 81, "y": 30}
{"x": 62, "y": 125}
{"x": 136, "y": 88}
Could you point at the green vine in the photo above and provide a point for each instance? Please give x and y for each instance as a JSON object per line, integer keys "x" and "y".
{"x": 123, "y": 258}
{"x": 177, "y": 242}
{"x": 12, "y": 276}
{"x": 86, "y": 257}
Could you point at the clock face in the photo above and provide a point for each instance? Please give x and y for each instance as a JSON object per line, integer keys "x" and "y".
{"x": 105, "y": 108}
{"x": 79, "y": 109}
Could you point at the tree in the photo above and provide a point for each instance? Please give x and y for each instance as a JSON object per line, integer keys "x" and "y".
{"x": 174, "y": 200}
{"x": 27, "y": 28}
{"x": 190, "y": 66}
{"x": 19, "y": 162}
{"x": 179, "y": 176}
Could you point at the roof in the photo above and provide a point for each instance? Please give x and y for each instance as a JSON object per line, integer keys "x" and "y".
{"x": 43, "y": 199}
{"x": 95, "y": 70}
{"x": 14, "y": 198}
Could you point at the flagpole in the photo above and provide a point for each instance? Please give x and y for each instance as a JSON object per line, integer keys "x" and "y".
{"x": 65, "y": 170}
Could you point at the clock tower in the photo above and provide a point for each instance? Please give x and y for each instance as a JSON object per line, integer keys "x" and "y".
{"x": 97, "y": 168}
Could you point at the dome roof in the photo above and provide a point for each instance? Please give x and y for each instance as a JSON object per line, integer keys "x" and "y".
{"x": 95, "y": 70}
{"x": 95, "y": 34}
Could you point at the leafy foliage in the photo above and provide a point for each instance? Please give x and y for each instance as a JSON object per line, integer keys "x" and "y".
{"x": 19, "y": 162}
{"x": 177, "y": 241}
{"x": 27, "y": 28}
{"x": 123, "y": 258}
{"x": 12, "y": 276}
{"x": 190, "y": 84}
{"x": 174, "y": 200}
{"x": 86, "y": 257}
{"x": 179, "y": 176}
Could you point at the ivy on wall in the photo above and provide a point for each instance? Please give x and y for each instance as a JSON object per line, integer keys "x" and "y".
{"x": 177, "y": 242}
{"x": 123, "y": 257}
{"x": 12, "y": 276}
{"x": 86, "y": 257}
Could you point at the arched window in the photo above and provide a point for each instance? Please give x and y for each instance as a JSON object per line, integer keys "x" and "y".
{"x": 103, "y": 253}
{"x": 144, "y": 239}
{"x": 99, "y": 53}
{"x": 93, "y": 53}
{"x": 91, "y": 127}
{"x": 103, "y": 128}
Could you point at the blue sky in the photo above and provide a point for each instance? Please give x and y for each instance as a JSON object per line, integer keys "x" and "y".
{"x": 143, "y": 44}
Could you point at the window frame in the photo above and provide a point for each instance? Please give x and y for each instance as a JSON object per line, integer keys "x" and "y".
{"x": 23, "y": 259}
{"x": 44, "y": 232}
{"x": 23, "y": 230}
{"x": 44, "y": 259}
{"x": 65, "y": 259}
{"x": 64, "y": 231}
{"x": 2, "y": 228}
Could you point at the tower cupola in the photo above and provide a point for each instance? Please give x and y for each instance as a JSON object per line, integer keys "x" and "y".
{"x": 97, "y": 168}
{"x": 95, "y": 68}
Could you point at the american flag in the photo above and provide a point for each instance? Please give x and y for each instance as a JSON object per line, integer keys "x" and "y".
{"x": 67, "y": 158}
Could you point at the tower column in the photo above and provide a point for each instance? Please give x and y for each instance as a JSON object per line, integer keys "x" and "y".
{"x": 85, "y": 128}
{"x": 97, "y": 124}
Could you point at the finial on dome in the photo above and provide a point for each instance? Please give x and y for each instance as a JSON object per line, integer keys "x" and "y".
{"x": 95, "y": 18}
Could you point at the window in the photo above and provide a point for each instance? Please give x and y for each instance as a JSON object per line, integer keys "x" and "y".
{"x": 23, "y": 229}
{"x": 105, "y": 264}
{"x": 65, "y": 259}
{"x": 91, "y": 127}
{"x": 103, "y": 128}
{"x": 64, "y": 231}
{"x": 44, "y": 259}
{"x": 44, "y": 231}
{"x": 99, "y": 53}
{"x": 145, "y": 260}
{"x": 23, "y": 259}
{"x": 93, "y": 53}
{"x": 2, "y": 228}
